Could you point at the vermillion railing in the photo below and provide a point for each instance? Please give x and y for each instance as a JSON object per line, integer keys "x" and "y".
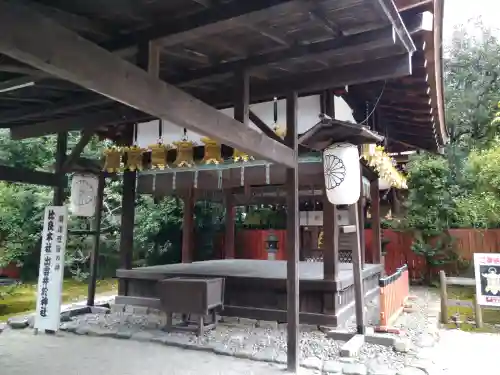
{"x": 394, "y": 291}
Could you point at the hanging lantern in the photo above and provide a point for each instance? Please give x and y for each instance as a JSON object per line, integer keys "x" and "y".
{"x": 134, "y": 158}
{"x": 342, "y": 173}
{"x": 113, "y": 159}
{"x": 83, "y": 195}
{"x": 159, "y": 155}
{"x": 212, "y": 152}
{"x": 184, "y": 154}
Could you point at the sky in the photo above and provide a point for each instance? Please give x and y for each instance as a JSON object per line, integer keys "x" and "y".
{"x": 457, "y": 12}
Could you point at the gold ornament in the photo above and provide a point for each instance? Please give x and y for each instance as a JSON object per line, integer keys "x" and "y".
{"x": 134, "y": 158}
{"x": 240, "y": 156}
{"x": 184, "y": 154}
{"x": 159, "y": 155}
{"x": 113, "y": 159}
{"x": 212, "y": 152}
{"x": 280, "y": 132}
{"x": 320, "y": 240}
{"x": 383, "y": 164}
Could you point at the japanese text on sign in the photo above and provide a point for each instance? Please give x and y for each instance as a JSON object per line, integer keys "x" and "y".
{"x": 51, "y": 268}
{"x": 487, "y": 275}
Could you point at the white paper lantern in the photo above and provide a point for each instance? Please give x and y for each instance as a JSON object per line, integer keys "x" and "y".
{"x": 83, "y": 195}
{"x": 383, "y": 184}
{"x": 342, "y": 173}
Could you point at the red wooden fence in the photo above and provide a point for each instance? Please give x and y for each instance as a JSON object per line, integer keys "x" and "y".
{"x": 394, "y": 291}
{"x": 250, "y": 244}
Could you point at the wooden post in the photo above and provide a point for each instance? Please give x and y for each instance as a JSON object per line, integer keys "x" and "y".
{"x": 478, "y": 312}
{"x": 147, "y": 59}
{"x": 188, "y": 228}
{"x": 444, "y": 297}
{"x": 361, "y": 228}
{"x": 229, "y": 226}
{"x": 292, "y": 234}
{"x": 61, "y": 149}
{"x": 376, "y": 230}
{"x": 356, "y": 265}
{"x": 330, "y": 240}
{"x": 94, "y": 256}
{"x": 127, "y": 218}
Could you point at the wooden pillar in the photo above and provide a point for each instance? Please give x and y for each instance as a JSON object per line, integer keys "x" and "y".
{"x": 127, "y": 218}
{"x": 292, "y": 237}
{"x": 242, "y": 97}
{"x": 94, "y": 255}
{"x": 375, "y": 222}
{"x": 148, "y": 59}
{"x": 361, "y": 228}
{"x": 357, "y": 271}
{"x": 61, "y": 149}
{"x": 229, "y": 233}
{"x": 330, "y": 240}
{"x": 188, "y": 228}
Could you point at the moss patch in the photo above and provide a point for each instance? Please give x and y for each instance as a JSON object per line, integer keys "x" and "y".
{"x": 491, "y": 317}
{"x": 19, "y": 299}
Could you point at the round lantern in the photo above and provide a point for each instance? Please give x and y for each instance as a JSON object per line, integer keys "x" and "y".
{"x": 83, "y": 195}
{"x": 272, "y": 246}
{"x": 342, "y": 173}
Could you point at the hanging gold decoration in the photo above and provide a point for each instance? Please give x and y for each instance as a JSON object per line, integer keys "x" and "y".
{"x": 184, "y": 154}
{"x": 212, "y": 152}
{"x": 159, "y": 155}
{"x": 380, "y": 161}
{"x": 112, "y": 159}
{"x": 320, "y": 239}
{"x": 134, "y": 158}
{"x": 280, "y": 131}
{"x": 240, "y": 156}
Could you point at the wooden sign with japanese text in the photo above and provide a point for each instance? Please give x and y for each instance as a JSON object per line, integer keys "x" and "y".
{"x": 51, "y": 273}
{"x": 487, "y": 274}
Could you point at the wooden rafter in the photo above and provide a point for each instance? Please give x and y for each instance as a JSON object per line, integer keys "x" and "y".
{"x": 39, "y": 42}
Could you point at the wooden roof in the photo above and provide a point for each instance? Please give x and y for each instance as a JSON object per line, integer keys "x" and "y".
{"x": 301, "y": 45}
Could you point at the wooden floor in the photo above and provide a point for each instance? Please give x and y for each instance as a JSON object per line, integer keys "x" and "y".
{"x": 257, "y": 289}
{"x": 263, "y": 269}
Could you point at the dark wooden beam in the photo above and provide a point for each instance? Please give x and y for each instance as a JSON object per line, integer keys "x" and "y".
{"x": 64, "y": 106}
{"x": 88, "y": 121}
{"x": 381, "y": 69}
{"x": 26, "y": 176}
{"x": 68, "y": 19}
{"x": 292, "y": 236}
{"x": 22, "y": 69}
{"x": 264, "y": 127}
{"x": 343, "y": 45}
{"x": 66, "y": 55}
{"x": 85, "y": 138}
{"x": 213, "y": 20}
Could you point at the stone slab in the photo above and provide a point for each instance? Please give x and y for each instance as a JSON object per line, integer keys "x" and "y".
{"x": 352, "y": 347}
{"x": 380, "y": 339}
{"x": 340, "y": 335}
{"x": 332, "y": 367}
{"x": 354, "y": 369}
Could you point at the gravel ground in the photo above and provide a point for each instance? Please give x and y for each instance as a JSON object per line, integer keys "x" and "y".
{"x": 266, "y": 341}
{"x": 22, "y": 353}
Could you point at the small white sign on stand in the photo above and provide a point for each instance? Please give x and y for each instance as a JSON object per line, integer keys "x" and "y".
{"x": 51, "y": 273}
{"x": 83, "y": 194}
{"x": 487, "y": 274}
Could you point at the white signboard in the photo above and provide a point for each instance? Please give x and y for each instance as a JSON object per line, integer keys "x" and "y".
{"x": 50, "y": 277}
{"x": 83, "y": 195}
{"x": 315, "y": 218}
{"x": 487, "y": 273}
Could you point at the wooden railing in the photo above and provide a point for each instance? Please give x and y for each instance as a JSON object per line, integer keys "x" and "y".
{"x": 394, "y": 291}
